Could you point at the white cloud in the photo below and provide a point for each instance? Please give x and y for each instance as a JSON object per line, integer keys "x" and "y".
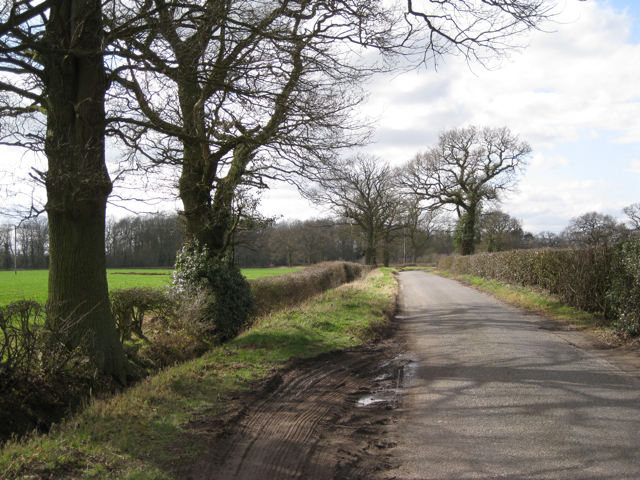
{"x": 285, "y": 201}
{"x": 573, "y": 94}
{"x": 546, "y": 203}
{"x": 634, "y": 166}
{"x": 566, "y": 84}
{"x": 542, "y": 161}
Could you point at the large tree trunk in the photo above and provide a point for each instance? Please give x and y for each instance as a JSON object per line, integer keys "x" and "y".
{"x": 195, "y": 186}
{"x": 207, "y": 200}
{"x": 386, "y": 253}
{"x": 78, "y": 184}
{"x": 370, "y": 250}
{"x": 468, "y": 231}
{"x": 207, "y": 207}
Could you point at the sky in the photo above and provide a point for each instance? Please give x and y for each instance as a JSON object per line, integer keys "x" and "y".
{"x": 573, "y": 94}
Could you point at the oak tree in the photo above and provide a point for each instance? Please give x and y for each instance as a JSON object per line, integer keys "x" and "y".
{"x": 52, "y": 99}
{"x": 239, "y": 93}
{"x": 362, "y": 189}
{"x": 593, "y": 228}
{"x": 467, "y": 168}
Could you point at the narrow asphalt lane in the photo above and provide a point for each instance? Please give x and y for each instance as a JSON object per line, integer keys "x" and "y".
{"x": 492, "y": 395}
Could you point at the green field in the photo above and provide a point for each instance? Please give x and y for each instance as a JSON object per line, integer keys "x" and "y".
{"x": 252, "y": 273}
{"x": 32, "y": 284}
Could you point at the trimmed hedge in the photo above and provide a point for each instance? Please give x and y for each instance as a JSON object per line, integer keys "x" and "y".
{"x": 624, "y": 293}
{"x": 269, "y": 294}
{"x": 601, "y": 280}
{"x": 282, "y": 291}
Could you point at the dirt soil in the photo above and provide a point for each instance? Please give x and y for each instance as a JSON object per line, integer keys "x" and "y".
{"x": 319, "y": 418}
{"x": 326, "y": 417}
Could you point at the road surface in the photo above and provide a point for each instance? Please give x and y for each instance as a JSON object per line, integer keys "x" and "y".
{"x": 491, "y": 394}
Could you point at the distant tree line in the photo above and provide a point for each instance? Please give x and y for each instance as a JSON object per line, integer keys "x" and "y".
{"x": 135, "y": 241}
{"x": 419, "y": 237}
{"x": 143, "y": 241}
{"x": 415, "y": 235}
{"x": 26, "y": 247}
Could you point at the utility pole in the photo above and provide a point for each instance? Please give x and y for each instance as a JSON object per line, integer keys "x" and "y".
{"x": 404, "y": 238}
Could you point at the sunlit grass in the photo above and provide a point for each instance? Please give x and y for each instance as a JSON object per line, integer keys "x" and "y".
{"x": 531, "y": 299}
{"x": 251, "y": 273}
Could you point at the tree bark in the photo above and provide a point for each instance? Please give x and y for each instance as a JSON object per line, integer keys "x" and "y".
{"x": 207, "y": 200}
{"x": 370, "y": 252}
{"x": 208, "y": 218}
{"x": 468, "y": 240}
{"x": 386, "y": 255}
{"x": 78, "y": 184}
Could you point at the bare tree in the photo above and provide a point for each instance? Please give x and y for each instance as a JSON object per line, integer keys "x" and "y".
{"x": 33, "y": 238}
{"x": 418, "y": 225}
{"x": 594, "y": 228}
{"x": 143, "y": 241}
{"x": 283, "y": 241}
{"x": 633, "y": 216}
{"x": 467, "y": 168}
{"x": 234, "y": 93}
{"x": 500, "y": 231}
{"x": 549, "y": 239}
{"x": 361, "y": 188}
{"x": 313, "y": 238}
{"x": 6, "y": 243}
{"x": 237, "y": 93}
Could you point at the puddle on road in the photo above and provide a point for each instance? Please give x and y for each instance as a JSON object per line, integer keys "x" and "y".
{"x": 383, "y": 396}
{"x": 409, "y": 372}
{"x": 382, "y": 378}
{"x": 404, "y": 375}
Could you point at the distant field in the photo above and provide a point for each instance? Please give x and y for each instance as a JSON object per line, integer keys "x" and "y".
{"x": 32, "y": 284}
{"x": 252, "y": 273}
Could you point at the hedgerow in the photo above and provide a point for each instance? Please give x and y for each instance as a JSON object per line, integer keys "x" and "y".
{"x": 624, "y": 293}
{"x": 274, "y": 293}
{"x": 42, "y": 381}
{"x": 602, "y": 280}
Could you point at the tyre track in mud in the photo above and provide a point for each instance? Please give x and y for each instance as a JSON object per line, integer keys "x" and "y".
{"x": 321, "y": 418}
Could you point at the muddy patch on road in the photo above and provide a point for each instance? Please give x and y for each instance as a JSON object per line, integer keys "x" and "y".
{"x": 320, "y": 418}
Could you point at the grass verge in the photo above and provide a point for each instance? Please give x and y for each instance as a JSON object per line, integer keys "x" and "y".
{"x": 141, "y": 433}
{"x": 534, "y": 300}
{"x": 410, "y": 269}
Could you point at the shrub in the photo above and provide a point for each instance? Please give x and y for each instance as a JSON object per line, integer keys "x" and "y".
{"x": 41, "y": 379}
{"x": 130, "y": 305}
{"x": 21, "y": 327}
{"x": 229, "y": 299}
{"x": 30, "y": 345}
